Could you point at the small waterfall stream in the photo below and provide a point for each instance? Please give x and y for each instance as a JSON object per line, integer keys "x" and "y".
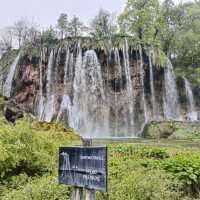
{"x": 129, "y": 85}
{"x": 192, "y": 114}
{"x": 1, "y": 79}
{"x": 153, "y": 99}
{"x": 49, "y": 106}
{"x": 142, "y": 85}
{"x": 171, "y": 102}
{"x": 40, "y": 107}
{"x": 88, "y": 94}
{"x": 66, "y": 105}
{"x": 7, "y": 87}
{"x": 78, "y": 109}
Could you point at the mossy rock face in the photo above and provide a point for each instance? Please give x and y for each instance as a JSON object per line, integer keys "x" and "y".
{"x": 172, "y": 130}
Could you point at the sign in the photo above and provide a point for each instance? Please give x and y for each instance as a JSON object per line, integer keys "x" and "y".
{"x": 83, "y": 167}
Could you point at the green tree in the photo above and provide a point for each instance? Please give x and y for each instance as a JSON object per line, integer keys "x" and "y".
{"x": 142, "y": 19}
{"x": 187, "y": 46}
{"x": 76, "y": 27}
{"x": 48, "y": 37}
{"x": 103, "y": 25}
{"x": 62, "y": 24}
{"x": 20, "y": 31}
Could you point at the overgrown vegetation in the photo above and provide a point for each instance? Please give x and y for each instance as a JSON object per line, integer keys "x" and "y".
{"x": 172, "y": 130}
{"x": 147, "y": 172}
{"x": 29, "y": 161}
{"x": 29, "y": 158}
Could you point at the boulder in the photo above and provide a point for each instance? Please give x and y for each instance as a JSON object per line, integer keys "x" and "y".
{"x": 12, "y": 111}
{"x": 172, "y": 130}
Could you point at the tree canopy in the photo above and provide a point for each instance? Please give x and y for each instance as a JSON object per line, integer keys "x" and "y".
{"x": 172, "y": 28}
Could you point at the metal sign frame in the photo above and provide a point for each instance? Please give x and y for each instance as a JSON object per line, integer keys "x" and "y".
{"x": 79, "y": 166}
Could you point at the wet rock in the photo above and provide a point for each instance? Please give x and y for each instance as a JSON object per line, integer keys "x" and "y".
{"x": 172, "y": 130}
{"x": 12, "y": 111}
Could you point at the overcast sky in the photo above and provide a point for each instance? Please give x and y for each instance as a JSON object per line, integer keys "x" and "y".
{"x": 46, "y": 12}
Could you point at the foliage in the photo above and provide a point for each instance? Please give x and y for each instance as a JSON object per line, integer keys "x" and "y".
{"x": 39, "y": 189}
{"x": 29, "y": 149}
{"x": 7, "y": 59}
{"x": 142, "y": 19}
{"x": 76, "y": 27}
{"x": 139, "y": 184}
{"x": 48, "y": 38}
{"x": 103, "y": 25}
{"x": 145, "y": 171}
{"x": 62, "y": 24}
{"x": 173, "y": 130}
{"x": 185, "y": 167}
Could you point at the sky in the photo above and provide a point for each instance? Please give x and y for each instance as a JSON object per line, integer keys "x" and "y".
{"x": 46, "y": 12}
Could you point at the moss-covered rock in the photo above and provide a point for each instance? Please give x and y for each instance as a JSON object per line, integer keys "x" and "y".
{"x": 172, "y": 130}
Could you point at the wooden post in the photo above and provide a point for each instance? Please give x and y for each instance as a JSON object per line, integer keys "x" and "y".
{"x": 77, "y": 194}
{"x": 89, "y": 194}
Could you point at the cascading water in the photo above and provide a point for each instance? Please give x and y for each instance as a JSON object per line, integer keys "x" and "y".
{"x": 1, "y": 79}
{"x": 118, "y": 77}
{"x": 129, "y": 86}
{"x": 40, "y": 107}
{"x": 192, "y": 114}
{"x": 78, "y": 118}
{"x": 142, "y": 86}
{"x": 88, "y": 95}
{"x": 105, "y": 97}
{"x": 66, "y": 106}
{"x": 49, "y": 105}
{"x": 153, "y": 99}
{"x": 171, "y": 102}
{"x": 7, "y": 87}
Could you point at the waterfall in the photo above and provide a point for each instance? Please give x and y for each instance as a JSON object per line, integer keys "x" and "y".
{"x": 78, "y": 91}
{"x": 88, "y": 95}
{"x": 40, "y": 108}
{"x": 170, "y": 98}
{"x": 142, "y": 85}
{"x": 66, "y": 105}
{"x": 1, "y": 79}
{"x": 129, "y": 86}
{"x": 153, "y": 99}
{"x": 49, "y": 106}
{"x": 7, "y": 88}
{"x": 192, "y": 114}
{"x": 117, "y": 77}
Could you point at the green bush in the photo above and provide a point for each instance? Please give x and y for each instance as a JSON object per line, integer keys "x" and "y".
{"x": 45, "y": 188}
{"x": 30, "y": 148}
{"x": 139, "y": 184}
{"x": 187, "y": 169}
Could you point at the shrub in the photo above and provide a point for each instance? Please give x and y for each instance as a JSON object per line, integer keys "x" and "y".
{"x": 31, "y": 147}
{"x": 39, "y": 189}
{"x": 143, "y": 185}
{"x": 187, "y": 169}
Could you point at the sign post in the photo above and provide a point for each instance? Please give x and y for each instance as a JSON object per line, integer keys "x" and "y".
{"x": 89, "y": 194}
{"x": 83, "y": 167}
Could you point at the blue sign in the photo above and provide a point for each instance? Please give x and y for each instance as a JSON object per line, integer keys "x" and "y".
{"x": 83, "y": 167}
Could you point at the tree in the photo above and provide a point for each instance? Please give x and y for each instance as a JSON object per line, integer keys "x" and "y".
{"x": 6, "y": 39}
{"x": 104, "y": 25}
{"x": 187, "y": 44}
{"x": 76, "y": 27}
{"x": 142, "y": 19}
{"x": 20, "y": 31}
{"x": 33, "y": 35}
{"x": 62, "y": 24}
{"x": 48, "y": 37}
